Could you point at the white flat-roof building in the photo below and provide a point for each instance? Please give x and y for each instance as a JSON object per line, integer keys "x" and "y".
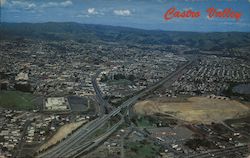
{"x": 22, "y": 76}
{"x": 56, "y": 103}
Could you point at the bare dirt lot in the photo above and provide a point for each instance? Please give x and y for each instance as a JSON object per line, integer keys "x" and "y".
{"x": 62, "y": 132}
{"x": 194, "y": 109}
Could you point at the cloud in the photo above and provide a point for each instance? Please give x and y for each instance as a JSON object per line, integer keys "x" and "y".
{"x": 66, "y": 3}
{"x": 57, "y": 4}
{"x": 2, "y": 2}
{"x": 82, "y": 16}
{"x": 23, "y": 5}
{"x": 31, "y": 6}
{"x": 49, "y": 5}
{"x": 122, "y": 12}
{"x": 92, "y": 11}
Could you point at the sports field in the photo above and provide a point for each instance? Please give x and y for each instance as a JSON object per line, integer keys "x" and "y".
{"x": 17, "y": 100}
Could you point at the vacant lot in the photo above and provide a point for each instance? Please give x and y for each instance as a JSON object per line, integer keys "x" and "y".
{"x": 17, "y": 100}
{"x": 195, "y": 109}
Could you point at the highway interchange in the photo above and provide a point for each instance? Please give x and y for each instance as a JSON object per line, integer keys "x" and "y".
{"x": 76, "y": 144}
{"x": 75, "y": 139}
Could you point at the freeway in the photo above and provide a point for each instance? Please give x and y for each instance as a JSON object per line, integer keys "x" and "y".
{"x": 97, "y": 141}
{"x": 103, "y": 104}
{"x": 21, "y": 143}
{"x": 169, "y": 79}
{"x": 73, "y": 139}
{"x": 81, "y": 134}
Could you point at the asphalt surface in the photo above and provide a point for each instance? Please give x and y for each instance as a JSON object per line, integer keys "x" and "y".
{"x": 101, "y": 101}
{"x": 81, "y": 134}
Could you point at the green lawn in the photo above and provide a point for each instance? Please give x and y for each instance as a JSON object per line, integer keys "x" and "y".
{"x": 17, "y": 100}
{"x": 143, "y": 150}
{"x": 144, "y": 121}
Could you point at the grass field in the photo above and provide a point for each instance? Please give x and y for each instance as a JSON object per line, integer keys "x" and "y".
{"x": 142, "y": 150}
{"x": 195, "y": 109}
{"x": 17, "y": 100}
{"x": 142, "y": 122}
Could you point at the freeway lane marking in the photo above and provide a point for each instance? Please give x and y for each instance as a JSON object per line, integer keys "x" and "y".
{"x": 69, "y": 142}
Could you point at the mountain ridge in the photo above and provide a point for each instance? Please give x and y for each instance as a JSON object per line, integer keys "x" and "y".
{"x": 124, "y": 35}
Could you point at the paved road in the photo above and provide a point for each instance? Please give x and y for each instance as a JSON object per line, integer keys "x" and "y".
{"x": 97, "y": 141}
{"x": 169, "y": 79}
{"x": 21, "y": 142}
{"x": 81, "y": 134}
{"x": 73, "y": 139}
{"x": 103, "y": 104}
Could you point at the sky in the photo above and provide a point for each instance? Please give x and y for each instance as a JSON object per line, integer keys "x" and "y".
{"x": 144, "y": 14}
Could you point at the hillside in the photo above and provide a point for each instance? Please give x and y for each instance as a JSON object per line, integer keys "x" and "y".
{"x": 100, "y": 33}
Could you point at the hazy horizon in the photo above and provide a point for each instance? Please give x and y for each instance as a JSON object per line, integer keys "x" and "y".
{"x": 140, "y": 14}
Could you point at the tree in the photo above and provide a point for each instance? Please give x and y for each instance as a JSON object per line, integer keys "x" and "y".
{"x": 104, "y": 78}
{"x": 131, "y": 77}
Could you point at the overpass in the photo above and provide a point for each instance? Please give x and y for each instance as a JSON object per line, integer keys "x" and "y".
{"x": 74, "y": 140}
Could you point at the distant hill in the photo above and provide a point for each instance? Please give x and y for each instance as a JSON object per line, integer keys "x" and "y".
{"x": 101, "y": 33}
